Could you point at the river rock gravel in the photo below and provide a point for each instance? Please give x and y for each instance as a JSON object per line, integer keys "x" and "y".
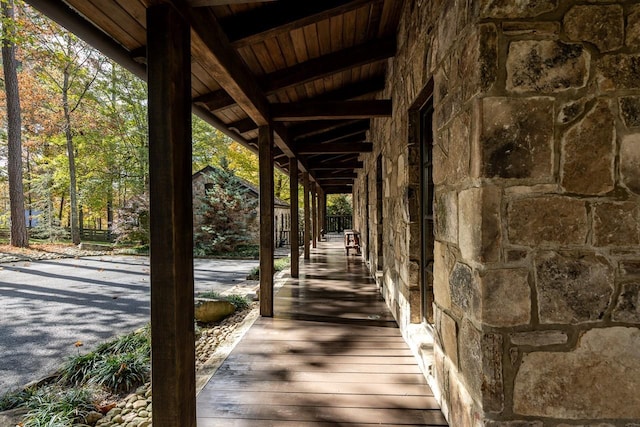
{"x": 135, "y": 409}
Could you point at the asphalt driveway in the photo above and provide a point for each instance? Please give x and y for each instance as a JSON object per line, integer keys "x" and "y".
{"x": 48, "y": 306}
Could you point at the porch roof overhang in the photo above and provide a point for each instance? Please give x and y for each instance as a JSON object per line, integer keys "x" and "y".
{"x": 314, "y": 70}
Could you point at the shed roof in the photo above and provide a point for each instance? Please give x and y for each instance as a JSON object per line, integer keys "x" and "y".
{"x": 313, "y": 68}
{"x": 253, "y": 189}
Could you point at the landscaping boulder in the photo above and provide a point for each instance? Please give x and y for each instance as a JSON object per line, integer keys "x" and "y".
{"x": 210, "y": 310}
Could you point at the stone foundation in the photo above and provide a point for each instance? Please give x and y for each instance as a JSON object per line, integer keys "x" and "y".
{"x": 536, "y": 155}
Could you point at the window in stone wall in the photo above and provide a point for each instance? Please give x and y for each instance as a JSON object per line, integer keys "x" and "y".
{"x": 379, "y": 211}
{"x": 426, "y": 210}
{"x": 367, "y": 216}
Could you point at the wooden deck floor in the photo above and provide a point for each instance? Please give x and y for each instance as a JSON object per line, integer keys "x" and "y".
{"x": 331, "y": 356}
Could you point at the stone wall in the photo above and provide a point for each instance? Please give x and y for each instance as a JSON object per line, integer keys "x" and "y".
{"x": 537, "y": 174}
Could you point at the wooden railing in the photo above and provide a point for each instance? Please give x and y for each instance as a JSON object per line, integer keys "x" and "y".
{"x": 96, "y": 235}
{"x": 338, "y": 223}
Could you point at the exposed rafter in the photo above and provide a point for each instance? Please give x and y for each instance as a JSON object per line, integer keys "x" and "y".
{"x": 258, "y": 24}
{"x": 243, "y": 126}
{"x": 212, "y": 46}
{"x": 332, "y": 63}
{"x": 353, "y": 90}
{"x": 345, "y": 140}
{"x": 346, "y": 189}
{"x": 331, "y": 165}
{"x": 299, "y": 111}
{"x": 313, "y": 128}
{"x": 219, "y": 99}
{"x": 205, "y": 3}
{"x": 331, "y": 135}
{"x": 210, "y": 43}
{"x": 334, "y": 182}
{"x": 214, "y": 101}
{"x": 334, "y": 147}
{"x": 340, "y": 174}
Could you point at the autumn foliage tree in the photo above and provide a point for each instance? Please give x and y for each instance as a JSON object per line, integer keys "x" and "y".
{"x": 226, "y": 212}
{"x": 85, "y": 134}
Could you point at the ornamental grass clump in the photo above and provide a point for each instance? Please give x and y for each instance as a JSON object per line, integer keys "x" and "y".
{"x": 240, "y": 302}
{"x": 58, "y": 406}
{"x": 118, "y": 365}
{"x": 115, "y": 367}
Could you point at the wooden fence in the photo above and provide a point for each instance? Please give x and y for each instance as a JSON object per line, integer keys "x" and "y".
{"x": 338, "y": 223}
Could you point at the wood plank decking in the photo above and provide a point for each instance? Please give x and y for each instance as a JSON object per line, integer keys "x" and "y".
{"x": 331, "y": 356}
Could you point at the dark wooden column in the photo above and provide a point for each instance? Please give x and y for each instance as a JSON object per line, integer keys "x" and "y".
{"x": 295, "y": 222}
{"x": 314, "y": 214}
{"x": 322, "y": 211}
{"x": 265, "y": 160}
{"x": 307, "y": 216}
{"x": 171, "y": 218}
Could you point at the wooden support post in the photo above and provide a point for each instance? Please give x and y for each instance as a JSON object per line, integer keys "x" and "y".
{"x": 295, "y": 221}
{"x": 322, "y": 212}
{"x": 314, "y": 214}
{"x": 265, "y": 160}
{"x": 171, "y": 218}
{"x": 307, "y": 216}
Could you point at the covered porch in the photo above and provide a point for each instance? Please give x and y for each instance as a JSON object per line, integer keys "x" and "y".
{"x": 298, "y": 83}
{"x": 331, "y": 355}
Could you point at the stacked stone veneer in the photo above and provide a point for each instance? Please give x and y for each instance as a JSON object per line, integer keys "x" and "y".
{"x": 537, "y": 173}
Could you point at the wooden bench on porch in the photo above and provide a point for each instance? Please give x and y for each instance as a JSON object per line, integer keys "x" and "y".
{"x": 352, "y": 241}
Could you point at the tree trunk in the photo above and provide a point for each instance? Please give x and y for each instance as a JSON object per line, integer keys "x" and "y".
{"x": 73, "y": 197}
{"x": 61, "y": 210}
{"x": 16, "y": 192}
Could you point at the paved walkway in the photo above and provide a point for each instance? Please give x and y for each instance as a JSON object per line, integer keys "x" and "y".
{"x": 331, "y": 356}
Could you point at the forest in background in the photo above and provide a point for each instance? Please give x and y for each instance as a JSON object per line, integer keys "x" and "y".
{"x": 84, "y": 131}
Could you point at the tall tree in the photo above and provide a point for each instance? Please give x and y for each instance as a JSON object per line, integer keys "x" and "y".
{"x": 70, "y": 67}
{"x": 19, "y": 235}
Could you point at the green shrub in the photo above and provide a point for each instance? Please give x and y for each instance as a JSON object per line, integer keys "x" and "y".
{"x": 132, "y": 342}
{"x": 278, "y": 265}
{"x": 119, "y": 364}
{"x": 254, "y": 274}
{"x": 55, "y": 406}
{"x": 78, "y": 370}
{"x": 239, "y": 301}
{"x": 281, "y": 263}
{"x": 121, "y": 372}
{"x": 210, "y": 295}
{"x": 15, "y": 399}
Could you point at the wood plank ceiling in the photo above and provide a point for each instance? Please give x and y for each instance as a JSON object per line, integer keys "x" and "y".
{"x": 312, "y": 68}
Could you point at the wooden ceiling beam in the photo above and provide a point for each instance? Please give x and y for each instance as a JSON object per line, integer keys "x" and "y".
{"x": 332, "y": 135}
{"x": 344, "y": 140}
{"x": 326, "y": 65}
{"x": 219, "y": 100}
{"x": 243, "y": 126}
{"x": 215, "y": 101}
{"x": 258, "y": 24}
{"x": 208, "y": 3}
{"x": 345, "y": 189}
{"x": 210, "y": 44}
{"x": 340, "y": 174}
{"x": 300, "y": 111}
{"x": 313, "y": 129}
{"x": 334, "y": 147}
{"x": 335, "y": 165}
{"x": 334, "y": 182}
